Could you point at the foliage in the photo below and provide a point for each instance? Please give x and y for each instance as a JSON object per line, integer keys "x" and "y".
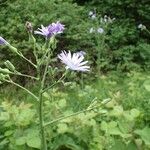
{"x": 126, "y": 47}
{"x": 122, "y": 124}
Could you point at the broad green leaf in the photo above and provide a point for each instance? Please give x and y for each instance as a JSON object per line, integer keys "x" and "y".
{"x": 20, "y": 141}
{"x": 34, "y": 142}
{"x": 104, "y": 126}
{"x": 117, "y": 111}
{"x": 144, "y": 134}
{"x": 62, "y": 103}
{"x": 114, "y": 131}
{"x": 62, "y": 128}
{"x": 9, "y": 132}
{"x": 134, "y": 112}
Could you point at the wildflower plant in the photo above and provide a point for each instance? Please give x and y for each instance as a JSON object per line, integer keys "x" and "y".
{"x": 99, "y": 29}
{"x": 74, "y": 62}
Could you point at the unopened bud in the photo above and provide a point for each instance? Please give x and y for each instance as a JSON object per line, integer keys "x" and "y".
{"x": 9, "y": 65}
{"x": 4, "y": 71}
{"x": 13, "y": 49}
{"x": 29, "y": 27}
{"x": 3, "y": 77}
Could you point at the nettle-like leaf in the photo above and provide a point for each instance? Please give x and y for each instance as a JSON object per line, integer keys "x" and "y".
{"x": 30, "y": 137}
{"x": 144, "y": 134}
{"x": 25, "y": 117}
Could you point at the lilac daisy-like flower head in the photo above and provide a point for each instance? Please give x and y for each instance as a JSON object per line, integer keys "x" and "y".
{"x": 43, "y": 31}
{"x": 3, "y": 41}
{"x": 52, "y": 29}
{"x": 74, "y": 62}
{"x": 56, "y": 28}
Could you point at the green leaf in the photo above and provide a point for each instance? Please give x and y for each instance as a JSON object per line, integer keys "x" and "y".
{"x": 20, "y": 140}
{"x": 134, "y": 112}
{"x": 62, "y": 103}
{"x": 34, "y": 142}
{"x": 117, "y": 111}
{"x": 104, "y": 126}
{"x": 62, "y": 128}
{"x": 144, "y": 134}
{"x": 146, "y": 85}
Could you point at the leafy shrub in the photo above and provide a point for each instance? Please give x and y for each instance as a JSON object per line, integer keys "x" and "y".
{"x": 122, "y": 38}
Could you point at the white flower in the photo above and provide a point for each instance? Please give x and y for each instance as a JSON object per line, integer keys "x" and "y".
{"x": 73, "y": 62}
{"x": 91, "y": 13}
{"x": 141, "y": 26}
{"x": 100, "y": 30}
{"x": 92, "y": 30}
{"x": 93, "y": 16}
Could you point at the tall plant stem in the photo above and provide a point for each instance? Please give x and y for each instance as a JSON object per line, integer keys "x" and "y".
{"x": 43, "y": 137}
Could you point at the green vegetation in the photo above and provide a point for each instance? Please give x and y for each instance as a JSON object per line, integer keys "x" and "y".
{"x": 107, "y": 108}
{"x": 123, "y": 123}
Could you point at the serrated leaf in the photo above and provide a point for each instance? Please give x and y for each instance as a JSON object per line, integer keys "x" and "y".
{"x": 144, "y": 134}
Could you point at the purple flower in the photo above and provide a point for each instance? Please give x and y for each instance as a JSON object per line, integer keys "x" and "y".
{"x": 52, "y": 29}
{"x": 3, "y": 41}
{"x": 56, "y": 28}
{"x": 74, "y": 62}
{"x": 43, "y": 31}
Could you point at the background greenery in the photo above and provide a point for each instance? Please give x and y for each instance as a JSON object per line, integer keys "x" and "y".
{"x": 127, "y": 46}
{"x": 124, "y": 123}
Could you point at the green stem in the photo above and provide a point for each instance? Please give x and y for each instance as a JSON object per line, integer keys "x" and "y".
{"x": 43, "y": 138}
{"x": 10, "y": 81}
{"x": 20, "y": 54}
{"x": 24, "y": 75}
{"x": 74, "y": 114}
{"x": 56, "y": 82}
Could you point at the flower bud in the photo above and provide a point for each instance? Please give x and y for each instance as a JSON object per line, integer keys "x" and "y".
{"x": 13, "y": 49}
{"x": 3, "y": 77}
{"x": 9, "y": 65}
{"x": 29, "y": 27}
{"x": 4, "y": 71}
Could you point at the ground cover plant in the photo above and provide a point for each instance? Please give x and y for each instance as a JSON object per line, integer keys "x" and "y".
{"x": 122, "y": 124}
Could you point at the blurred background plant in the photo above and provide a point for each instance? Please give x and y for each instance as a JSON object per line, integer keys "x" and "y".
{"x": 126, "y": 47}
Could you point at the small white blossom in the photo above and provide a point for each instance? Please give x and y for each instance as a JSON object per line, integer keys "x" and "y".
{"x": 141, "y": 26}
{"x": 93, "y": 16}
{"x": 100, "y": 30}
{"x": 73, "y": 62}
{"x": 90, "y": 13}
{"x": 92, "y": 30}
